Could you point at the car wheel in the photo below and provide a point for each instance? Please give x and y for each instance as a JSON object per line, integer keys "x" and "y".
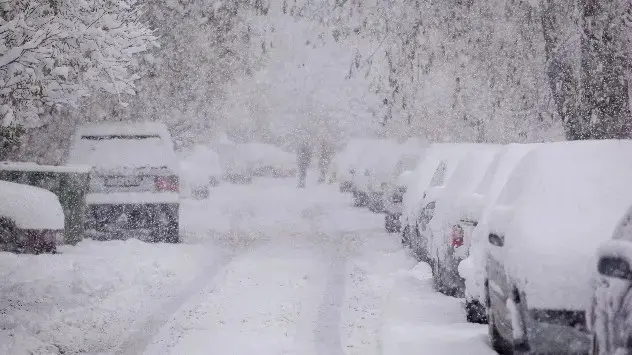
{"x": 167, "y": 229}
{"x": 498, "y": 343}
{"x": 475, "y": 312}
{"x": 594, "y": 348}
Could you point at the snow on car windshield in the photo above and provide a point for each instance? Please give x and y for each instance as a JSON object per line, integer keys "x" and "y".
{"x": 135, "y": 150}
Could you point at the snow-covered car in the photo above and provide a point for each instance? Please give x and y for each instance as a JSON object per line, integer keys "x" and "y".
{"x": 375, "y": 161}
{"x": 610, "y": 312}
{"x": 425, "y": 190}
{"x": 393, "y": 202}
{"x": 346, "y": 162}
{"x": 199, "y": 171}
{"x": 268, "y": 160}
{"x": 31, "y": 219}
{"x": 446, "y": 229}
{"x": 134, "y": 185}
{"x": 390, "y": 166}
{"x": 474, "y": 212}
{"x": 559, "y": 204}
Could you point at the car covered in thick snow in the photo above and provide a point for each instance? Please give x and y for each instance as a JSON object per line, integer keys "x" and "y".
{"x": 200, "y": 170}
{"x": 134, "y": 185}
{"x": 473, "y": 211}
{"x": 391, "y": 165}
{"x": 447, "y": 230}
{"x": 559, "y": 204}
{"x": 425, "y": 189}
{"x": 345, "y": 163}
{"x": 374, "y": 161}
{"x": 610, "y": 312}
{"x": 31, "y": 219}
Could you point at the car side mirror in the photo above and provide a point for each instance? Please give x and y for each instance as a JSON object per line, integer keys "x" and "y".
{"x": 495, "y": 239}
{"x": 615, "y": 267}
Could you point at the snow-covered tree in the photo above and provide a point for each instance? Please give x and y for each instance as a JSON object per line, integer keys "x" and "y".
{"x": 55, "y": 52}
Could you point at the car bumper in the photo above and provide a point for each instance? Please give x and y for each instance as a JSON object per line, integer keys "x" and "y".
{"x": 546, "y": 338}
{"x": 140, "y": 219}
{"x": 133, "y": 198}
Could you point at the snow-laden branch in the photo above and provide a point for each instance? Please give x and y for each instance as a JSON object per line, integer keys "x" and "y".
{"x": 56, "y": 52}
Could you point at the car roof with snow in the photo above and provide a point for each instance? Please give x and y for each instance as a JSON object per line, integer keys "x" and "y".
{"x": 423, "y": 175}
{"x": 560, "y": 202}
{"x": 30, "y": 207}
{"x": 123, "y": 145}
{"x": 123, "y": 128}
{"x": 469, "y": 171}
{"x": 487, "y": 191}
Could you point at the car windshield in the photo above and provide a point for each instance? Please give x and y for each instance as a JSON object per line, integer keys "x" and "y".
{"x": 121, "y": 151}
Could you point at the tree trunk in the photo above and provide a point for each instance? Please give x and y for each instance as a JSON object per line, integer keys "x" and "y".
{"x": 605, "y": 106}
{"x": 561, "y": 74}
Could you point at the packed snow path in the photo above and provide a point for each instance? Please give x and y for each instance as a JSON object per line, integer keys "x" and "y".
{"x": 264, "y": 269}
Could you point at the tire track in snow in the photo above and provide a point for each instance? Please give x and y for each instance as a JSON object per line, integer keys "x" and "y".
{"x": 140, "y": 339}
{"x": 327, "y": 332}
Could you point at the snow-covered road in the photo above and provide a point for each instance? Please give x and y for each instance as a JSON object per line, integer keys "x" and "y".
{"x": 264, "y": 269}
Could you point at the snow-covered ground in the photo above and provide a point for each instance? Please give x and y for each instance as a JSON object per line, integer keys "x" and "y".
{"x": 264, "y": 269}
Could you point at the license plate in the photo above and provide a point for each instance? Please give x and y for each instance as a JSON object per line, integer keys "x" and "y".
{"x": 125, "y": 181}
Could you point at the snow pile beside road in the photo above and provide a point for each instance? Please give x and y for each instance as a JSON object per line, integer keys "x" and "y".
{"x": 91, "y": 297}
{"x": 416, "y": 317}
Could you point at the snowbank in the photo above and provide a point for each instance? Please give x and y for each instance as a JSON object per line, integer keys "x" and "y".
{"x": 562, "y": 200}
{"x": 30, "y": 207}
{"x": 418, "y": 319}
{"x": 91, "y": 297}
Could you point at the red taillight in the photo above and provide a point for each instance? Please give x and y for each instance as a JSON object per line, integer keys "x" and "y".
{"x": 456, "y": 239}
{"x": 167, "y": 183}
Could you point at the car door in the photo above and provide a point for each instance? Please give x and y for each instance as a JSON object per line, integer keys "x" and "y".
{"x": 497, "y": 284}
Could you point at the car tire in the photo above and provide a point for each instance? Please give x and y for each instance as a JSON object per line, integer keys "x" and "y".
{"x": 168, "y": 231}
{"x": 594, "y": 346}
{"x": 475, "y": 312}
{"x": 495, "y": 339}
{"x": 497, "y": 342}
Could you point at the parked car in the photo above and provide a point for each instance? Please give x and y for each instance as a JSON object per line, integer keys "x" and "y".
{"x": 346, "y": 161}
{"x": 611, "y": 308}
{"x": 31, "y": 219}
{"x": 559, "y": 204}
{"x": 267, "y": 160}
{"x": 474, "y": 212}
{"x": 134, "y": 185}
{"x": 391, "y": 165}
{"x": 393, "y": 200}
{"x": 447, "y": 231}
{"x": 372, "y": 163}
{"x": 445, "y": 164}
{"x": 199, "y": 171}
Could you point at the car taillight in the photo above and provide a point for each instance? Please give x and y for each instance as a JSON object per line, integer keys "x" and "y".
{"x": 456, "y": 239}
{"x": 167, "y": 183}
